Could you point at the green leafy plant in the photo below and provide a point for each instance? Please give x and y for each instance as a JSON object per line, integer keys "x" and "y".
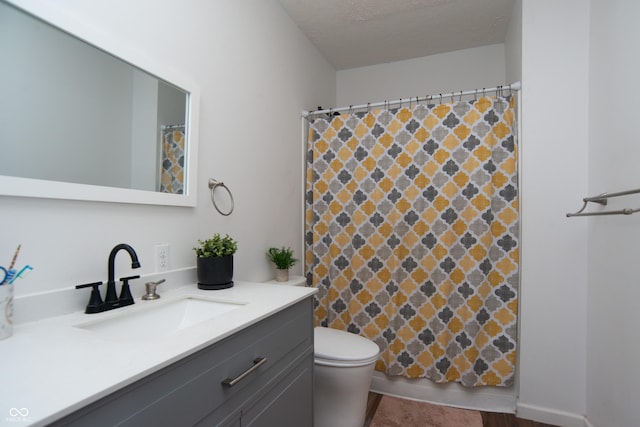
{"x": 217, "y": 246}
{"x": 282, "y": 258}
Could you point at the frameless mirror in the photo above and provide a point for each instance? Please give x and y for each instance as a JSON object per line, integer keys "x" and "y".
{"x": 90, "y": 120}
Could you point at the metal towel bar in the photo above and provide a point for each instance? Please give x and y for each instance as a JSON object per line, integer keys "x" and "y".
{"x": 602, "y": 199}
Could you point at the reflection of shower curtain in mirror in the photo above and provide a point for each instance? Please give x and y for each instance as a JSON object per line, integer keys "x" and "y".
{"x": 172, "y": 177}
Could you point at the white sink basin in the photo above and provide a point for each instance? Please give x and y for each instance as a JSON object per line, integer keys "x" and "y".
{"x": 158, "y": 318}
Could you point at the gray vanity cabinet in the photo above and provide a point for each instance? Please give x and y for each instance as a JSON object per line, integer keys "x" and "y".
{"x": 191, "y": 392}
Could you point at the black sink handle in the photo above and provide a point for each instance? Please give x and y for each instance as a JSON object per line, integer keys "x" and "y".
{"x": 125, "y": 293}
{"x": 95, "y": 305}
{"x": 88, "y": 285}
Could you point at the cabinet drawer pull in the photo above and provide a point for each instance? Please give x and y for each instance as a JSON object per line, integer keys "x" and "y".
{"x": 257, "y": 362}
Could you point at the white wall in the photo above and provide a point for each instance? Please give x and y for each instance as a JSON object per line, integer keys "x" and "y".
{"x": 513, "y": 44}
{"x": 613, "y": 347}
{"x": 256, "y": 72}
{"x": 554, "y": 180}
{"x": 443, "y": 73}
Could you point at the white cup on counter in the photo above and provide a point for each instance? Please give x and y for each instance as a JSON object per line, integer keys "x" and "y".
{"x": 6, "y": 311}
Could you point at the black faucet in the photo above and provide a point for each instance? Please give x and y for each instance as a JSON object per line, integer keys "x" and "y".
{"x": 111, "y": 299}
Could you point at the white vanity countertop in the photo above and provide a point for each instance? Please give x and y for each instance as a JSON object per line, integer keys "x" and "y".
{"x": 50, "y": 368}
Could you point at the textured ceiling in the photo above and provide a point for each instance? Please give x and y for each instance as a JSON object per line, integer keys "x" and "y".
{"x": 356, "y": 33}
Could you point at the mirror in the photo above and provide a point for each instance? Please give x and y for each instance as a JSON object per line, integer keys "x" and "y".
{"x": 80, "y": 123}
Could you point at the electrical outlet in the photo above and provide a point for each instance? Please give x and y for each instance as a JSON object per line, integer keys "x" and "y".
{"x": 162, "y": 257}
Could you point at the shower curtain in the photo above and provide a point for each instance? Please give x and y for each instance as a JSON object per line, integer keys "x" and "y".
{"x": 411, "y": 235}
{"x": 172, "y": 171}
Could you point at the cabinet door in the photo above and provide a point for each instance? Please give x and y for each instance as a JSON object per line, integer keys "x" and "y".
{"x": 231, "y": 422}
{"x": 288, "y": 404}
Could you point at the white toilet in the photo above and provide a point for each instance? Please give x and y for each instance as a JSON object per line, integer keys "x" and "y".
{"x": 343, "y": 368}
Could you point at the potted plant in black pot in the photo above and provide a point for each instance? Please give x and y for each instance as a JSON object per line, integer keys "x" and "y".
{"x": 283, "y": 260}
{"x": 215, "y": 262}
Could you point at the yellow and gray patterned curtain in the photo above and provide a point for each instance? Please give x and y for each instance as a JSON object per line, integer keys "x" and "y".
{"x": 412, "y": 236}
{"x": 172, "y": 176}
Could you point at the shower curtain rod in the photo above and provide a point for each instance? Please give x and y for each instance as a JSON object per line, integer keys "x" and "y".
{"x": 512, "y": 87}
{"x": 165, "y": 127}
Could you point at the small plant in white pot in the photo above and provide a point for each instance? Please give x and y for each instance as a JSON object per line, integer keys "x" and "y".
{"x": 283, "y": 260}
{"x": 215, "y": 262}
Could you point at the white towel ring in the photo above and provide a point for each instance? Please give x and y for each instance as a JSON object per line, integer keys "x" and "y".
{"x": 213, "y": 184}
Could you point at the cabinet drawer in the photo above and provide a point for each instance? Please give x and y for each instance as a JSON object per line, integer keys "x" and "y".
{"x": 191, "y": 389}
{"x": 278, "y": 391}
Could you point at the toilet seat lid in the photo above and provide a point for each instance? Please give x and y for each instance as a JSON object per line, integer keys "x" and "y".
{"x": 332, "y": 344}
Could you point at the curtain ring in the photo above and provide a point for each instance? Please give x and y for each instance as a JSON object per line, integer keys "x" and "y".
{"x": 483, "y": 93}
{"x": 460, "y": 99}
{"x": 213, "y": 184}
{"x": 475, "y": 95}
{"x": 510, "y": 93}
{"x": 368, "y": 107}
{"x": 452, "y": 98}
{"x": 350, "y": 109}
{"x": 440, "y": 98}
